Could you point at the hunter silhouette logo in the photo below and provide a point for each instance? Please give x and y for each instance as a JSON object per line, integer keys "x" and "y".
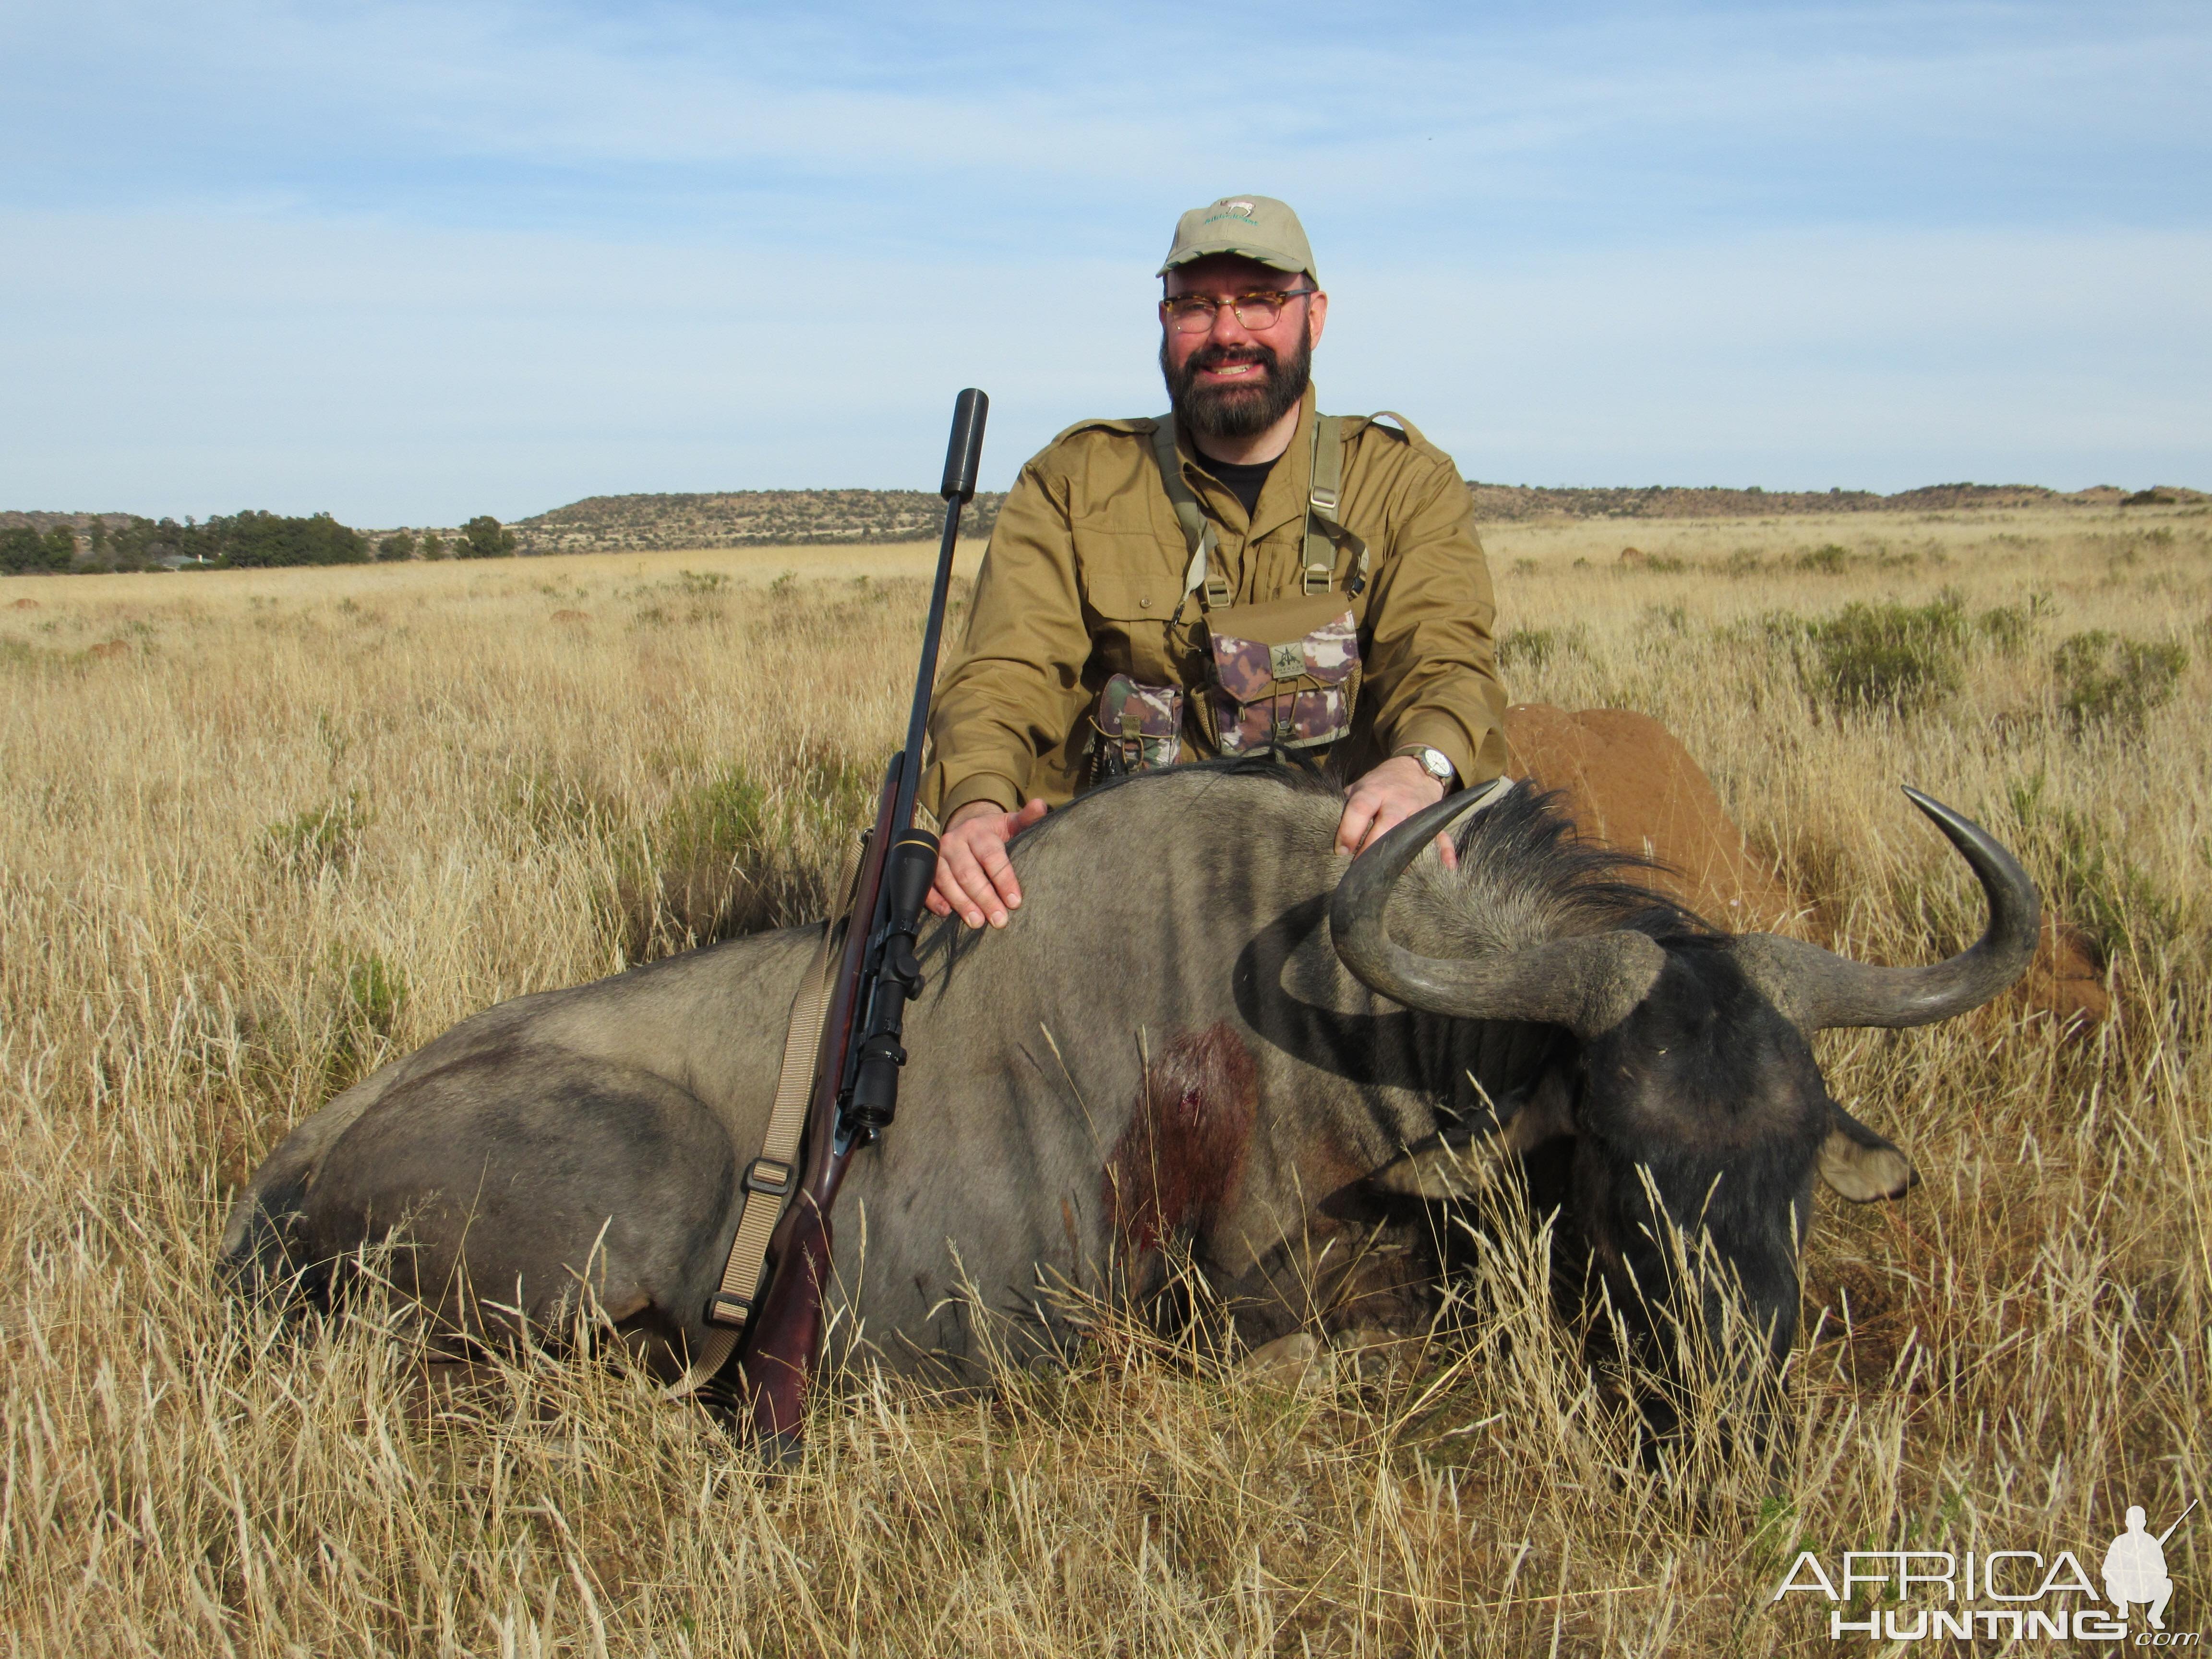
{"x": 2034, "y": 1600}
{"x": 2135, "y": 1567}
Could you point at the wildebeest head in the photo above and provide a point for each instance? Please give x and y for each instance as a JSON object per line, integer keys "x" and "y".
{"x": 1698, "y": 1115}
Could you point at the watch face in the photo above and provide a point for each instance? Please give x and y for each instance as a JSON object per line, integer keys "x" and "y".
{"x": 1435, "y": 762}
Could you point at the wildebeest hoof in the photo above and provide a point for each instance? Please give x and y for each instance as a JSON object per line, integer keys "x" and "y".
{"x": 1296, "y": 1361}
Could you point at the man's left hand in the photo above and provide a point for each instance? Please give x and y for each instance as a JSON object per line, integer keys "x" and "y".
{"x": 1386, "y": 798}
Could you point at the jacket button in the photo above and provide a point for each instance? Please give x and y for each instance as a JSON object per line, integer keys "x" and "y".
{"x": 1145, "y": 603}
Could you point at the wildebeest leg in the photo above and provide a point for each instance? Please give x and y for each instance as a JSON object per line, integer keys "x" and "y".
{"x": 512, "y": 1179}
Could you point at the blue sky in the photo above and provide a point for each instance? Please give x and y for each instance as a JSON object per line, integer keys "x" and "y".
{"x": 408, "y": 263}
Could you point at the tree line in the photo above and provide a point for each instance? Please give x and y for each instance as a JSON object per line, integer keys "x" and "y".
{"x": 237, "y": 541}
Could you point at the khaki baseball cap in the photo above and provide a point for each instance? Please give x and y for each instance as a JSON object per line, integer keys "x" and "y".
{"x": 1257, "y": 227}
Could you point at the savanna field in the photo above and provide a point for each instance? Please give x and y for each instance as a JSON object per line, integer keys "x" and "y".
{"x": 260, "y": 831}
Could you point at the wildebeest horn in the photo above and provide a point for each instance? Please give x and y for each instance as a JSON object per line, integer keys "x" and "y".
{"x": 1586, "y": 985}
{"x": 1821, "y": 990}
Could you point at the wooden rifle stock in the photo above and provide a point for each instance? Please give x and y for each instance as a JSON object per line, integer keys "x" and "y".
{"x": 856, "y": 1068}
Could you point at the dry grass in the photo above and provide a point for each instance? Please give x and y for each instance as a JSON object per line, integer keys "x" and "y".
{"x": 298, "y": 821}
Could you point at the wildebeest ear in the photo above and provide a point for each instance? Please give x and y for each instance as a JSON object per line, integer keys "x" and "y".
{"x": 1861, "y": 1166}
{"x": 1445, "y": 1170}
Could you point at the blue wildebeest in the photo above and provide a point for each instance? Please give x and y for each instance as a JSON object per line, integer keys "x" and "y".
{"x": 1200, "y": 1032}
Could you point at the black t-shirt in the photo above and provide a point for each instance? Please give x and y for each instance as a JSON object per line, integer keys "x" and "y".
{"x": 1244, "y": 482}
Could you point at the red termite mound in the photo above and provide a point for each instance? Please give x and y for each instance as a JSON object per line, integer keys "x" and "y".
{"x": 1629, "y": 782}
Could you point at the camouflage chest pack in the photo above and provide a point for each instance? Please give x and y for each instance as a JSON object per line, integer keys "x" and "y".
{"x": 1281, "y": 674}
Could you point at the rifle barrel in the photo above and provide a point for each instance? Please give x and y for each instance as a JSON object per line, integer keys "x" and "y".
{"x": 2176, "y": 1527}
{"x": 963, "y": 458}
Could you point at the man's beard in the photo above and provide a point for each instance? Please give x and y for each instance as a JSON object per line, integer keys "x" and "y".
{"x": 1236, "y": 409}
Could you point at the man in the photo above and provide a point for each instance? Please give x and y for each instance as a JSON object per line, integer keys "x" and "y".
{"x": 1253, "y": 574}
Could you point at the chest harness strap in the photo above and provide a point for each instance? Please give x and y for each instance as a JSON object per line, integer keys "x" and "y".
{"x": 1324, "y": 532}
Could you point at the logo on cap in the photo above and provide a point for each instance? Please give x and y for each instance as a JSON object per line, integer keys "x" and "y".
{"x": 1244, "y": 208}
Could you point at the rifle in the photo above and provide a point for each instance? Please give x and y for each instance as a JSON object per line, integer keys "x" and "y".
{"x": 856, "y": 1075}
{"x": 2176, "y": 1527}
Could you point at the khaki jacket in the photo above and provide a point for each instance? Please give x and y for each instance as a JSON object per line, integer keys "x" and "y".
{"x": 1086, "y": 565}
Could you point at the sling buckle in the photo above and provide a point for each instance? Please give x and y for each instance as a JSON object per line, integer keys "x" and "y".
{"x": 723, "y": 1308}
{"x": 768, "y": 1175}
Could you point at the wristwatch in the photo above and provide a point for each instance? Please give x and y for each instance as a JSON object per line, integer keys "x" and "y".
{"x": 1435, "y": 762}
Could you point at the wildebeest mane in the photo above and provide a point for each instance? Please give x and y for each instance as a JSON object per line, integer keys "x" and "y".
{"x": 1526, "y": 874}
{"x": 1523, "y": 858}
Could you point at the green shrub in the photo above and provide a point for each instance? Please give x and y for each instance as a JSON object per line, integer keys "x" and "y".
{"x": 1533, "y": 647}
{"x": 399, "y": 544}
{"x": 731, "y": 856}
{"x": 2006, "y": 626}
{"x": 558, "y": 805}
{"x": 2105, "y": 679}
{"x": 1891, "y": 655}
{"x": 24, "y": 550}
{"x": 2086, "y": 879}
{"x": 256, "y": 540}
{"x": 482, "y": 537}
{"x": 368, "y": 1012}
{"x": 721, "y": 819}
{"x": 374, "y": 991}
{"x": 836, "y": 795}
{"x": 704, "y": 877}
{"x": 1830, "y": 559}
{"x": 317, "y": 838}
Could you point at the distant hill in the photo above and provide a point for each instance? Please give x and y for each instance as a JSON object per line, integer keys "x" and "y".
{"x": 1513, "y": 503}
{"x": 748, "y": 518}
{"x": 781, "y": 518}
{"x": 784, "y": 518}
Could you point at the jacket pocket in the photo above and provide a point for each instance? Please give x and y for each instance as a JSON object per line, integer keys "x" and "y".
{"x": 1285, "y": 673}
{"x": 1139, "y": 726}
{"x": 1129, "y": 591}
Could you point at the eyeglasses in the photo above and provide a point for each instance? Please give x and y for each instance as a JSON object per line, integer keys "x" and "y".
{"x": 1192, "y": 314}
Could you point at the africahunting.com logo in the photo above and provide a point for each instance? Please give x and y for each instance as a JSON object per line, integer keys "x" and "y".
{"x": 2013, "y": 1595}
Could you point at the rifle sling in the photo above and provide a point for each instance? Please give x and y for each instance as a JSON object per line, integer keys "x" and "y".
{"x": 770, "y": 1179}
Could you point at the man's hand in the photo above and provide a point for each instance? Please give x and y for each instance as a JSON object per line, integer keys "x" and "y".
{"x": 1384, "y": 798}
{"x": 974, "y": 875}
